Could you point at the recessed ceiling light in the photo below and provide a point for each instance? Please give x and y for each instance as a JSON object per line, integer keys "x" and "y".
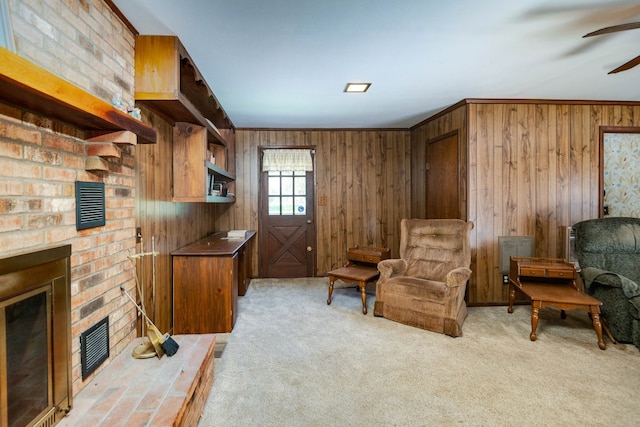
{"x": 357, "y": 87}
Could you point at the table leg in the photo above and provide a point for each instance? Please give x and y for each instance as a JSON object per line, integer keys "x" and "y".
{"x": 598, "y": 327}
{"x": 603, "y": 321}
{"x": 363, "y": 292}
{"x": 331, "y": 280}
{"x": 512, "y": 297}
{"x": 535, "y": 312}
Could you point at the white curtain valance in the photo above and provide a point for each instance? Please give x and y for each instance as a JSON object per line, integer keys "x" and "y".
{"x": 296, "y": 160}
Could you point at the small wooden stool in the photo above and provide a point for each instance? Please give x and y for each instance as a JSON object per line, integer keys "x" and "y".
{"x": 360, "y": 269}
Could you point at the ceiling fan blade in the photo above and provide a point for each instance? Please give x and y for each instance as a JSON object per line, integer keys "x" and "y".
{"x": 614, "y": 29}
{"x": 627, "y": 65}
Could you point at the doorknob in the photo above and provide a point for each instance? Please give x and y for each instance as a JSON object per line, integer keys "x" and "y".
{"x": 309, "y": 248}
{"x": 309, "y": 221}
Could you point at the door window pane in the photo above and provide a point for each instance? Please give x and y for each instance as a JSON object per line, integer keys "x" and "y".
{"x": 274, "y": 205}
{"x": 274, "y": 185}
{"x": 287, "y": 185}
{"x": 300, "y": 206}
{"x": 300, "y": 186}
{"x": 287, "y": 205}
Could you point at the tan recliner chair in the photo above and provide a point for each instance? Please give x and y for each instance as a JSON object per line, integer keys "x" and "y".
{"x": 426, "y": 286}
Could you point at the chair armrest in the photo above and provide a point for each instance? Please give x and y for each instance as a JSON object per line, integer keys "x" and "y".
{"x": 391, "y": 267}
{"x": 457, "y": 277}
{"x": 591, "y": 275}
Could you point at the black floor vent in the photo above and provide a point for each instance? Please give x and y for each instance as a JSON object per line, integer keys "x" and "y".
{"x": 89, "y": 204}
{"x": 94, "y": 347}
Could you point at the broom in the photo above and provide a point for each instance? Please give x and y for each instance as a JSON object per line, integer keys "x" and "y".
{"x": 162, "y": 343}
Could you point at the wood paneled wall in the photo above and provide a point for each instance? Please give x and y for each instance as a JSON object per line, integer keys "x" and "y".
{"x": 172, "y": 225}
{"x": 454, "y": 120}
{"x": 533, "y": 166}
{"x": 364, "y": 174}
{"x": 530, "y": 168}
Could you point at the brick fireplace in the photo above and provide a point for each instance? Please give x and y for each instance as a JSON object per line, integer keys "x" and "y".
{"x": 43, "y": 155}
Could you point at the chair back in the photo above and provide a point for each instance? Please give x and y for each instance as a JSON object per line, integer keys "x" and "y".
{"x": 611, "y": 244}
{"x": 433, "y": 247}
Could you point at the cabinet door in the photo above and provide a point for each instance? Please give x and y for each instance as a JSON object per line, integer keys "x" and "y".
{"x": 189, "y": 174}
{"x": 205, "y": 294}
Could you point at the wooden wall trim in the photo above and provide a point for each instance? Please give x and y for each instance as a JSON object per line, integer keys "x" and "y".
{"x": 466, "y": 101}
{"x": 548, "y": 101}
{"x": 321, "y": 129}
{"x": 439, "y": 114}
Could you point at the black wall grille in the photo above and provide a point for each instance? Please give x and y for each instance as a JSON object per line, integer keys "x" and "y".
{"x": 94, "y": 347}
{"x": 89, "y": 204}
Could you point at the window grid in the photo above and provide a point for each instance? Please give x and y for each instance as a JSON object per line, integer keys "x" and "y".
{"x": 287, "y": 191}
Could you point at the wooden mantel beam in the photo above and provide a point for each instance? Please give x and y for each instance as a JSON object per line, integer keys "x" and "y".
{"x": 28, "y": 86}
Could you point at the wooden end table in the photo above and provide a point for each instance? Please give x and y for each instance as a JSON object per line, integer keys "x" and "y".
{"x": 551, "y": 282}
{"x": 358, "y": 274}
{"x": 361, "y": 268}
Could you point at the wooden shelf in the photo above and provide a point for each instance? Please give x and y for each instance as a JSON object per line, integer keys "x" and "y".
{"x": 218, "y": 171}
{"x": 169, "y": 83}
{"x": 220, "y": 199}
{"x": 28, "y": 86}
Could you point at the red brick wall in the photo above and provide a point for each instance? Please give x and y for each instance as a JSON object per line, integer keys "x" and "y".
{"x": 84, "y": 42}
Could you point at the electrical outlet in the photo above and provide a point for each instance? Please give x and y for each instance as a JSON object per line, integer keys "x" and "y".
{"x": 505, "y": 279}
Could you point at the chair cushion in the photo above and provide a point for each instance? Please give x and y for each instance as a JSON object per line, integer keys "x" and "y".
{"x": 414, "y": 287}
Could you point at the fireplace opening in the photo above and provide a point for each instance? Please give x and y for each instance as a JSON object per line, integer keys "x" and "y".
{"x": 27, "y": 356}
{"x": 35, "y": 328}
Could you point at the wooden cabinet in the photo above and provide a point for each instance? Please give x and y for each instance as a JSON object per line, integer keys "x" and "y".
{"x": 194, "y": 176}
{"x": 208, "y": 276}
{"x": 367, "y": 255}
{"x": 169, "y": 83}
{"x": 542, "y": 270}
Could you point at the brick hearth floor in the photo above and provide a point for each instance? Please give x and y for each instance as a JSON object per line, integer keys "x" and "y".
{"x": 148, "y": 392}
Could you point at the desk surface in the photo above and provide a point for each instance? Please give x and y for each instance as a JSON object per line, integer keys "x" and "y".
{"x": 214, "y": 245}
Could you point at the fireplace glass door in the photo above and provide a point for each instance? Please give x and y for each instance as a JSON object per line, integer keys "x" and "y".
{"x": 35, "y": 338}
{"x": 26, "y": 340}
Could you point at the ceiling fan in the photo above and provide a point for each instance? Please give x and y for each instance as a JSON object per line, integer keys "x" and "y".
{"x": 614, "y": 29}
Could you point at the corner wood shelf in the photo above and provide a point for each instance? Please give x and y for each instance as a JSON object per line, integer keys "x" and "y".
{"x": 169, "y": 83}
{"x": 220, "y": 174}
{"x": 28, "y": 86}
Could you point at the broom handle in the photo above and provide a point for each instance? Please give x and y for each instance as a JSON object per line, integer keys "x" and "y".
{"x": 138, "y": 307}
{"x": 153, "y": 277}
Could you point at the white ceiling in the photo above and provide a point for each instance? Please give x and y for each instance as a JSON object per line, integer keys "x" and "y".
{"x": 284, "y": 63}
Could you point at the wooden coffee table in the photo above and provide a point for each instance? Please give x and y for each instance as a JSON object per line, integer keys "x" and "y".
{"x": 354, "y": 273}
{"x": 551, "y": 282}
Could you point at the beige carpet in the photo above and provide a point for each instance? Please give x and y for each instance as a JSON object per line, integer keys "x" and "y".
{"x": 293, "y": 360}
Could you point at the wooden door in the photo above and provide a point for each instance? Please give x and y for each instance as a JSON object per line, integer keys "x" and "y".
{"x": 286, "y": 224}
{"x": 443, "y": 177}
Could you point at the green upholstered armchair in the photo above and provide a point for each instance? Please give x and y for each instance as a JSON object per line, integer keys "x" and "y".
{"x": 609, "y": 256}
{"x": 426, "y": 286}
